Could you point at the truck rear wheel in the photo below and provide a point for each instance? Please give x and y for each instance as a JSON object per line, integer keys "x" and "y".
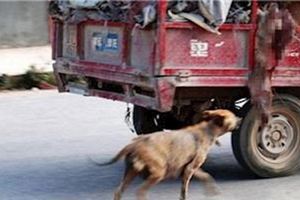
{"x": 274, "y": 150}
{"x": 145, "y": 121}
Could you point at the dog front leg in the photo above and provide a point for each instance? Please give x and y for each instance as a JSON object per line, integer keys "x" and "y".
{"x": 210, "y": 185}
{"x": 187, "y": 175}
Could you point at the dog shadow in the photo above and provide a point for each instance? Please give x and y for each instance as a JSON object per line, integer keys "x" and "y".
{"x": 223, "y": 167}
{"x": 226, "y": 168}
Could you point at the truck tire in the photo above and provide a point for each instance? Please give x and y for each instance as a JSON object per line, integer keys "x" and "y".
{"x": 235, "y": 137}
{"x": 144, "y": 120}
{"x": 275, "y": 150}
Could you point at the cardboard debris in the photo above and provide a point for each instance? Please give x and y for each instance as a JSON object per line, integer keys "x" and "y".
{"x": 207, "y": 14}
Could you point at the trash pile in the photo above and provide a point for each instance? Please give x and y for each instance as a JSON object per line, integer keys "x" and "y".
{"x": 76, "y": 11}
{"x": 147, "y": 16}
{"x": 240, "y": 12}
{"x": 204, "y": 13}
{"x": 210, "y": 15}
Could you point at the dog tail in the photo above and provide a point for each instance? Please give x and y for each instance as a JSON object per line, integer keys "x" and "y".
{"x": 124, "y": 152}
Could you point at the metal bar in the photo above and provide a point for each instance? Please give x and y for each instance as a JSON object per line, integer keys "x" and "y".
{"x": 162, "y": 7}
{"x": 171, "y": 71}
{"x": 80, "y": 38}
{"x": 136, "y": 100}
{"x": 186, "y": 25}
{"x": 107, "y": 67}
{"x": 94, "y": 72}
{"x": 252, "y": 34}
{"x": 125, "y": 45}
{"x": 106, "y": 23}
{"x": 211, "y": 81}
{"x": 54, "y": 39}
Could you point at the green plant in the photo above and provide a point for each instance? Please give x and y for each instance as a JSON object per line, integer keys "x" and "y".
{"x": 3, "y": 80}
{"x": 31, "y": 79}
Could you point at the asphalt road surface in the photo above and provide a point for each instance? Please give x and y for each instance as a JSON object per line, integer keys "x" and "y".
{"x": 47, "y": 137}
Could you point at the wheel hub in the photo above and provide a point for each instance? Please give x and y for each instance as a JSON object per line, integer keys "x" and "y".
{"x": 278, "y": 136}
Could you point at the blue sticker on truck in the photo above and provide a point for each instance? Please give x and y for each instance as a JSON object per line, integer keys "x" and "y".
{"x": 108, "y": 42}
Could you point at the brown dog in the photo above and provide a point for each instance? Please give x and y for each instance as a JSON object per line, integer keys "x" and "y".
{"x": 182, "y": 152}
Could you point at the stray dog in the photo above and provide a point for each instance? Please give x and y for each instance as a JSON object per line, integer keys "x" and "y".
{"x": 182, "y": 152}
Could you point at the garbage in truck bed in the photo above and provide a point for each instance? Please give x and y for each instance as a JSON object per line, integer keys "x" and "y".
{"x": 142, "y": 13}
{"x": 76, "y": 11}
{"x": 207, "y": 14}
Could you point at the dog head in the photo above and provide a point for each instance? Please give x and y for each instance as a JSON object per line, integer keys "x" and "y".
{"x": 221, "y": 120}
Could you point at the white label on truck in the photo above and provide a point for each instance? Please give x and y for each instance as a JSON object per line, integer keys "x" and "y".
{"x": 108, "y": 42}
{"x": 293, "y": 54}
{"x": 198, "y": 48}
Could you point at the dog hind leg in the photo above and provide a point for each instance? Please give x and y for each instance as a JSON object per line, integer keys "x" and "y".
{"x": 129, "y": 175}
{"x": 208, "y": 180}
{"x": 153, "y": 179}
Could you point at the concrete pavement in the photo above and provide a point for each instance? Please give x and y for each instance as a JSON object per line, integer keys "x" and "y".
{"x": 46, "y": 138}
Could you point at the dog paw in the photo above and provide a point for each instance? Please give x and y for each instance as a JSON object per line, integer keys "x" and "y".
{"x": 212, "y": 191}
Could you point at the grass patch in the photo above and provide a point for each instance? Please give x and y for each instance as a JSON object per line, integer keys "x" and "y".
{"x": 31, "y": 79}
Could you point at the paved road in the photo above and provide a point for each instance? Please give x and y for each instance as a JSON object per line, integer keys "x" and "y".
{"x": 46, "y": 138}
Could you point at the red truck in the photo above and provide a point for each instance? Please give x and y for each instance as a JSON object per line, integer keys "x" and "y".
{"x": 173, "y": 69}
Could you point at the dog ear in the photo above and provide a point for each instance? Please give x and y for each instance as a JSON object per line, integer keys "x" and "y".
{"x": 206, "y": 116}
{"x": 213, "y": 117}
{"x": 218, "y": 120}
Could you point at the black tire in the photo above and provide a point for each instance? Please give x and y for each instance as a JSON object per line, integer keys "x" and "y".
{"x": 235, "y": 137}
{"x": 275, "y": 150}
{"x": 144, "y": 120}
